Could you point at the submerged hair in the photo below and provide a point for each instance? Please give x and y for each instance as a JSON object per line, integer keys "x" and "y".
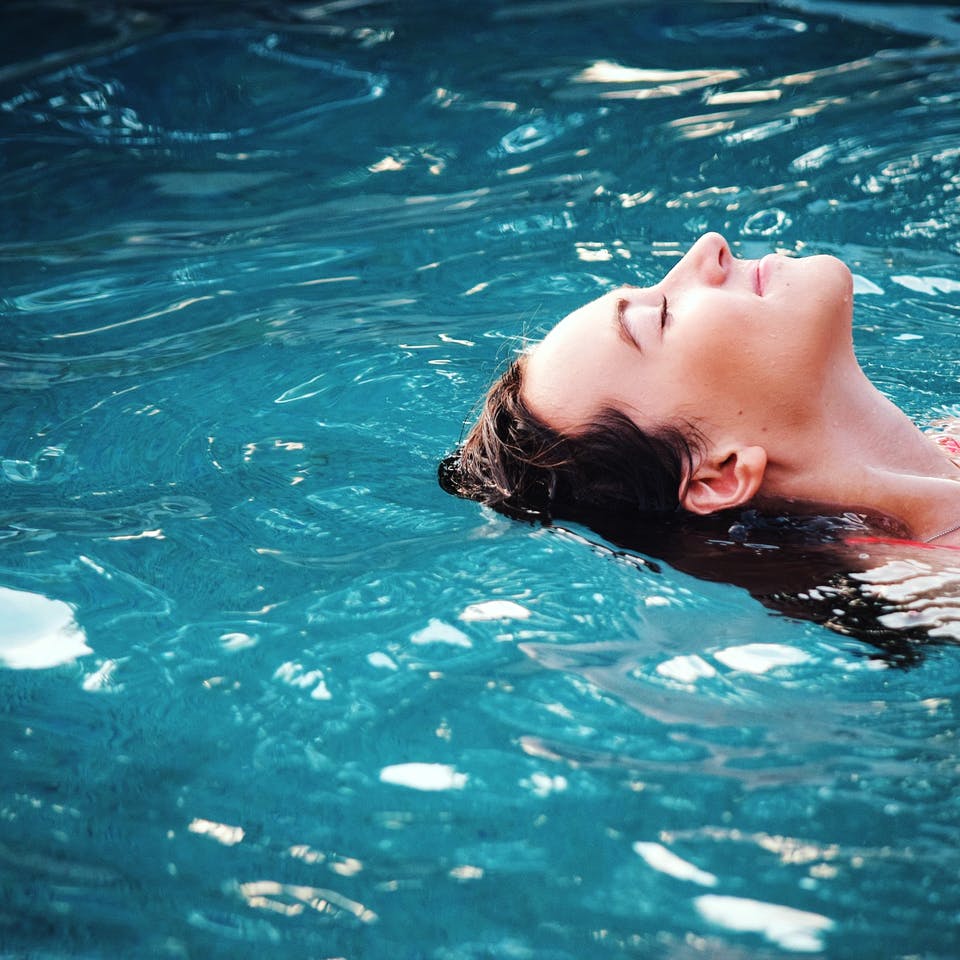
{"x": 625, "y": 484}
{"x": 515, "y": 462}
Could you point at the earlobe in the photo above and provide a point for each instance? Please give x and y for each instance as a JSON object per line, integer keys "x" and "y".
{"x": 723, "y": 483}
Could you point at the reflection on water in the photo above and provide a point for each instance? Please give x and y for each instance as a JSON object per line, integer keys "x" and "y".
{"x": 288, "y": 698}
{"x": 918, "y": 594}
{"x": 37, "y": 632}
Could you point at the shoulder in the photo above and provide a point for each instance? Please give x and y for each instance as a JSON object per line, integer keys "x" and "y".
{"x": 946, "y": 435}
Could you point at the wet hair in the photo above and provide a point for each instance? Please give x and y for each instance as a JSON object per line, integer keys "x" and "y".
{"x": 515, "y": 462}
{"x": 625, "y": 485}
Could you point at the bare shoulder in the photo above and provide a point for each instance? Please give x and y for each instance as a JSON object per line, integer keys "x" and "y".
{"x": 946, "y": 435}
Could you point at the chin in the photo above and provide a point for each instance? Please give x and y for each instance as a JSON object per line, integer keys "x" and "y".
{"x": 830, "y": 278}
{"x": 832, "y": 267}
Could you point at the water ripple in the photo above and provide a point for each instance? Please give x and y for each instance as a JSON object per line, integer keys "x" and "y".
{"x": 117, "y": 523}
{"x": 106, "y": 99}
{"x": 244, "y": 313}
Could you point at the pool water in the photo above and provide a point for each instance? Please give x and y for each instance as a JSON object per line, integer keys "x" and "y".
{"x": 267, "y": 691}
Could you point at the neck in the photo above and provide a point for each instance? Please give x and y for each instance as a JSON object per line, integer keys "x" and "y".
{"x": 861, "y": 451}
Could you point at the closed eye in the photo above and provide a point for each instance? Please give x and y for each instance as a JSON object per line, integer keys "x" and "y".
{"x": 623, "y": 329}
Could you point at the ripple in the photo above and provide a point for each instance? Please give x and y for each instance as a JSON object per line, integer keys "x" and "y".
{"x": 35, "y": 371}
{"x": 127, "y": 522}
{"x": 609, "y": 80}
{"x": 539, "y": 132}
{"x": 81, "y": 33}
{"x": 766, "y": 223}
{"x": 47, "y": 464}
{"x": 321, "y": 634}
{"x": 75, "y": 294}
{"x": 237, "y": 84}
{"x": 925, "y": 20}
{"x": 765, "y": 27}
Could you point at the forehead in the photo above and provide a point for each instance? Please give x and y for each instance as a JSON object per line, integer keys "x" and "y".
{"x": 566, "y": 375}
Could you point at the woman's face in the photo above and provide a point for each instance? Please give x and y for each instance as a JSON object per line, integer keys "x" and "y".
{"x": 740, "y": 348}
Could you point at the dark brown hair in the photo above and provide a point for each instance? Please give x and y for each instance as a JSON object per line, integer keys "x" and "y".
{"x": 625, "y": 485}
{"x": 518, "y": 464}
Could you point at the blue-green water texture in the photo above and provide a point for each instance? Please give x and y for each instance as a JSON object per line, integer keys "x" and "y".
{"x": 267, "y": 691}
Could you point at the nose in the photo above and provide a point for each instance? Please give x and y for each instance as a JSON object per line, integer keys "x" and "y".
{"x": 707, "y": 261}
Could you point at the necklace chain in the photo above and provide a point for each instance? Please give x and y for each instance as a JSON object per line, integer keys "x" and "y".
{"x": 942, "y": 533}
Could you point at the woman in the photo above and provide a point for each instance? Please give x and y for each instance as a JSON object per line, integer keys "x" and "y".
{"x": 731, "y": 383}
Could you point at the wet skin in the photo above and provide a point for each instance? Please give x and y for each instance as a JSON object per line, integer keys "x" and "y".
{"x": 736, "y": 347}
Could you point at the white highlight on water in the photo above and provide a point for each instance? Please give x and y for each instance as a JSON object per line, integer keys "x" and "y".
{"x": 542, "y": 784}
{"x": 221, "y": 832}
{"x": 930, "y": 285}
{"x": 495, "y": 610}
{"x": 101, "y": 680}
{"x": 436, "y": 631}
{"x": 666, "y": 861}
{"x": 37, "y": 632}
{"x": 237, "y": 641}
{"x": 293, "y": 674}
{"x": 791, "y": 929}
{"x": 863, "y": 285}
{"x": 381, "y": 660}
{"x": 424, "y": 776}
{"x": 686, "y": 669}
{"x": 760, "y": 657}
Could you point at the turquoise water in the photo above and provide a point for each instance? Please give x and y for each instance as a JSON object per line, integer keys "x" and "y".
{"x": 266, "y": 690}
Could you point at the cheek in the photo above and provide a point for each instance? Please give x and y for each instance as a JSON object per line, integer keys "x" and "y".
{"x": 744, "y": 373}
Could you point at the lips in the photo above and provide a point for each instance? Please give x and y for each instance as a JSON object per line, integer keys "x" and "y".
{"x": 763, "y": 270}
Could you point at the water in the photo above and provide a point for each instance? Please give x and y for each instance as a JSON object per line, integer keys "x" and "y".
{"x": 267, "y": 690}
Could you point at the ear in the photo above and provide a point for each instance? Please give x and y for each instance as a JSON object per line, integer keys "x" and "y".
{"x": 720, "y": 482}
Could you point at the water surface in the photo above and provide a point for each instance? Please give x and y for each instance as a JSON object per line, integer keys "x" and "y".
{"x": 266, "y": 690}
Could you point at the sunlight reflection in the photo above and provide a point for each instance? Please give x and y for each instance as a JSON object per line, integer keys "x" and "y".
{"x": 221, "y": 832}
{"x": 790, "y": 929}
{"x": 659, "y": 858}
{"x": 606, "y": 71}
{"x": 631, "y": 83}
{"x": 181, "y": 305}
{"x": 741, "y": 96}
{"x": 291, "y": 899}
{"x": 424, "y": 776}
{"x": 595, "y": 252}
{"x": 37, "y": 632}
